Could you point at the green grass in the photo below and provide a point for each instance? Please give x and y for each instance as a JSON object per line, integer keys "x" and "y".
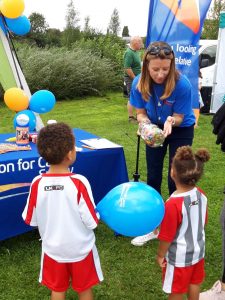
{"x": 130, "y": 272}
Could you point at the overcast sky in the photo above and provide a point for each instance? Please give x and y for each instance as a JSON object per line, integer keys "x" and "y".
{"x": 99, "y": 11}
{"x": 133, "y": 14}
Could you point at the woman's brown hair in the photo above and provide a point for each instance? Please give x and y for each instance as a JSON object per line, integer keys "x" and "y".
{"x": 145, "y": 82}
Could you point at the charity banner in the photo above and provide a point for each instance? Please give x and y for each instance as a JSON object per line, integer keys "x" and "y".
{"x": 179, "y": 23}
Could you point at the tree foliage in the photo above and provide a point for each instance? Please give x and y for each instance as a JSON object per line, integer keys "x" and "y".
{"x": 106, "y": 46}
{"x": 38, "y": 23}
{"x": 53, "y": 37}
{"x": 125, "y": 32}
{"x": 88, "y": 31}
{"x": 87, "y": 27}
{"x": 72, "y": 16}
{"x": 67, "y": 73}
{"x": 114, "y": 23}
{"x": 211, "y": 24}
{"x": 72, "y": 30}
{"x": 38, "y": 30}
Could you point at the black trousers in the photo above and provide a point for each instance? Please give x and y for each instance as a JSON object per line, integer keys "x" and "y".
{"x": 180, "y": 136}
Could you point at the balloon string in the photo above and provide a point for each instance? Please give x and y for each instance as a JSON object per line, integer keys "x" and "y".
{"x": 123, "y": 195}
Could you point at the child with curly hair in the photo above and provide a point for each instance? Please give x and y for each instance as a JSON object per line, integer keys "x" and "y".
{"x": 61, "y": 205}
{"x": 182, "y": 236}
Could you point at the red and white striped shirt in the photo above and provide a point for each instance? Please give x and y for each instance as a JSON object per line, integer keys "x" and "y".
{"x": 183, "y": 227}
{"x": 62, "y": 207}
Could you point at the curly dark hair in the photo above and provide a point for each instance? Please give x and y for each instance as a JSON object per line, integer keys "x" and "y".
{"x": 54, "y": 142}
{"x": 189, "y": 165}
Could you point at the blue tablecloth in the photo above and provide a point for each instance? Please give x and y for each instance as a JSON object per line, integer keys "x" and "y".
{"x": 105, "y": 169}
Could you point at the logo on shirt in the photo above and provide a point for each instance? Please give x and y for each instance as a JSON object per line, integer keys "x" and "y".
{"x": 194, "y": 203}
{"x": 54, "y": 188}
{"x": 168, "y": 102}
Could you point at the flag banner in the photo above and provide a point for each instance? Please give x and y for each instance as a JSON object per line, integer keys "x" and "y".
{"x": 218, "y": 91}
{"x": 179, "y": 23}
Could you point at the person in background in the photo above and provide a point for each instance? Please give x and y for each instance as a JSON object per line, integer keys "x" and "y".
{"x": 181, "y": 248}
{"x": 61, "y": 205}
{"x": 162, "y": 96}
{"x": 217, "y": 292}
{"x": 132, "y": 67}
{"x": 201, "y": 103}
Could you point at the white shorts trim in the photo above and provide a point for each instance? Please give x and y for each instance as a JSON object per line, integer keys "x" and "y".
{"x": 168, "y": 280}
{"x": 97, "y": 263}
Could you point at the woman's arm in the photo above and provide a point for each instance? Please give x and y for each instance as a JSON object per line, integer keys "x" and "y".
{"x": 142, "y": 115}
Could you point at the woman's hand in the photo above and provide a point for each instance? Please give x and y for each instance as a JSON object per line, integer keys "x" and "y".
{"x": 142, "y": 116}
{"x": 170, "y": 122}
{"x": 141, "y": 124}
{"x": 142, "y": 119}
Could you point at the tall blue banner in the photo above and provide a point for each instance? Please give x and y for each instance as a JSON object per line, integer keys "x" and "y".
{"x": 179, "y": 23}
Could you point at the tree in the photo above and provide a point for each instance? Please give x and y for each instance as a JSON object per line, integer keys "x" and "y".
{"x": 53, "y": 37}
{"x": 125, "y": 31}
{"x": 87, "y": 27}
{"x": 114, "y": 24}
{"x": 72, "y": 18}
{"x": 89, "y": 32}
{"x": 72, "y": 30}
{"x": 38, "y": 23}
{"x": 38, "y": 30}
{"x": 211, "y": 24}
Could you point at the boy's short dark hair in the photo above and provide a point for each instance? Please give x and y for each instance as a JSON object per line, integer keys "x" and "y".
{"x": 54, "y": 142}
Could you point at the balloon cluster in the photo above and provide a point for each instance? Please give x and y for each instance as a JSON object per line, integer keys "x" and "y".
{"x": 40, "y": 102}
{"x": 151, "y": 134}
{"x": 14, "y": 20}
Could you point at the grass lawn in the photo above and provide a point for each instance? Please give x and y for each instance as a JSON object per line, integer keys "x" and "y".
{"x": 130, "y": 272}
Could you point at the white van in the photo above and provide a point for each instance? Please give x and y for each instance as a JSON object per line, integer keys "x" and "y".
{"x": 207, "y": 58}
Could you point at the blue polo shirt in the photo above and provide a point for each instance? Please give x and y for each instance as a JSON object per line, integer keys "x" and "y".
{"x": 179, "y": 102}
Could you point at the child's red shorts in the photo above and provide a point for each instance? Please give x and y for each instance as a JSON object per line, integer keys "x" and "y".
{"x": 82, "y": 275}
{"x": 176, "y": 280}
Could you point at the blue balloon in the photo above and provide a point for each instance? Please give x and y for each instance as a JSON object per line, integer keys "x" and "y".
{"x": 32, "y": 119}
{"x": 132, "y": 209}
{"x": 20, "y": 25}
{"x": 42, "y": 101}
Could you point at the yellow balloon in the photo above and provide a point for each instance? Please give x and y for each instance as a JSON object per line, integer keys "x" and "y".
{"x": 16, "y": 99}
{"x": 12, "y": 8}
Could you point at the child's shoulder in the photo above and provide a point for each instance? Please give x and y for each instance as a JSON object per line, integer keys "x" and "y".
{"x": 36, "y": 178}
{"x": 81, "y": 178}
{"x": 200, "y": 190}
{"x": 174, "y": 201}
{"x": 174, "y": 198}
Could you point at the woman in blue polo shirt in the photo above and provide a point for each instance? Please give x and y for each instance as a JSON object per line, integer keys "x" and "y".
{"x": 162, "y": 96}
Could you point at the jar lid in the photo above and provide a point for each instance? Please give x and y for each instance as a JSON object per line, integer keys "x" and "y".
{"x": 22, "y": 120}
